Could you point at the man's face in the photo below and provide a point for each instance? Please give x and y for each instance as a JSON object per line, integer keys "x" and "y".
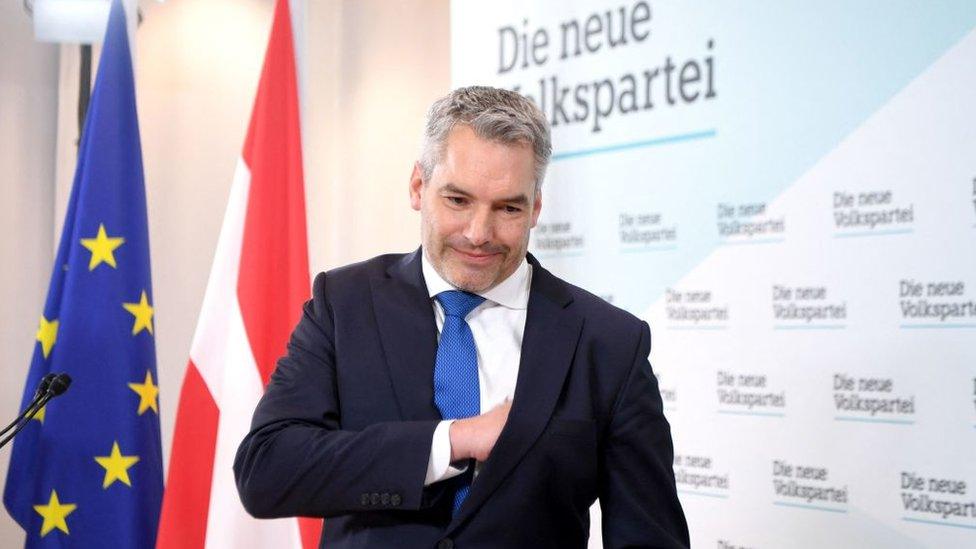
{"x": 477, "y": 209}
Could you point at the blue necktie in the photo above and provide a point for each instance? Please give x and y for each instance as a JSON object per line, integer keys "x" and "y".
{"x": 456, "y": 391}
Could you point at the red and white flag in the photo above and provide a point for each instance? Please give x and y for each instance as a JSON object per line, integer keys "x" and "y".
{"x": 257, "y": 285}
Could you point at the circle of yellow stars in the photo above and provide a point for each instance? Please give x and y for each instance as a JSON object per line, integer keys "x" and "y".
{"x": 102, "y": 248}
{"x": 116, "y": 464}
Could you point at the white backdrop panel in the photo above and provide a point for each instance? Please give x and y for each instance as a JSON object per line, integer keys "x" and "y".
{"x": 787, "y": 193}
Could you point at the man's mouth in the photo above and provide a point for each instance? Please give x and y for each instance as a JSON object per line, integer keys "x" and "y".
{"x": 476, "y": 257}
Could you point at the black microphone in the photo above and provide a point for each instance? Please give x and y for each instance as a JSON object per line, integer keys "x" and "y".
{"x": 44, "y": 384}
{"x": 55, "y": 386}
{"x": 50, "y": 386}
{"x": 38, "y": 394}
{"x": 59, "y": 385}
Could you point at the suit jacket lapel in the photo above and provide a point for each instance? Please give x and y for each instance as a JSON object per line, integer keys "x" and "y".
{"x": 405, "y": 318}
{"x": 552, "y": 330}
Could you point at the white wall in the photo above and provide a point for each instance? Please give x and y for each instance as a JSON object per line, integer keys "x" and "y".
{"x": 374, "y": 67}
{"x": 28, "y": 107}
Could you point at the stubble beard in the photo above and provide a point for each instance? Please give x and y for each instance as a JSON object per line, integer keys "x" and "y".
{"x": 466, "y": 278}
{"x": 452, "y": 269}
{"x": 438, "y": 250}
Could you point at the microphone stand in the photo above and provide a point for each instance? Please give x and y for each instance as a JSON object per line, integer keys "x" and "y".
{"x": 38, "y": 395}
{"x": 55, "y": 385}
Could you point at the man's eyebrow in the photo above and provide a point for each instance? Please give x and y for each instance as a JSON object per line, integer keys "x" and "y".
{"x": 452, "y": 188}
{"x": 519, "y": 199}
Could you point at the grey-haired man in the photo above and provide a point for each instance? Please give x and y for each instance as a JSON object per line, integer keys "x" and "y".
{"x": 461, "y": 395}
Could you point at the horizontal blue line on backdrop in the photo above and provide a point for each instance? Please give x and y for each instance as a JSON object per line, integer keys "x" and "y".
{"x": 813, "y": 507}
{"x": 706, "y": 494}
{"x": 697, "y": 328}
{"x": 665, "y": 140}
{"x": 937, "y": 523}
{"x": 751, "y": 413}
{"x": 730, "y": 242}
{"x": 875, "y": 420}
{"x": 874, "y": 233}
{"x": 810, "y": 327}
{"x": 954, "y": 326}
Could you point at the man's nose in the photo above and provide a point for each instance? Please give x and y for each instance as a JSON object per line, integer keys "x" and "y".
{"x": 479, "y": 229}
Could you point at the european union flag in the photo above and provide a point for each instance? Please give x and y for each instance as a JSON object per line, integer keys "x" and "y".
{"x": 87, "y": 471}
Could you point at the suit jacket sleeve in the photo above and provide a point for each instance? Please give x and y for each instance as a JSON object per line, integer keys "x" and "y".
{"x": 638, "y": 497}
{"x": 297, "y": 459}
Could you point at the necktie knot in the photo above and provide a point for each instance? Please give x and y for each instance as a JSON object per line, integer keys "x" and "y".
{"x": 457, "y": 303}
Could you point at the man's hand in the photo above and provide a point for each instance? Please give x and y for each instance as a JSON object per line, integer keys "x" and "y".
{"x": 475, "y": 437}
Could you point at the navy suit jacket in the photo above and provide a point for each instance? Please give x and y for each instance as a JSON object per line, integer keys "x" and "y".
{"x": 344, "y": 430}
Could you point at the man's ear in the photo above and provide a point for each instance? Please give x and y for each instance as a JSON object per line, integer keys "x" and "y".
{"x": 416, "y": 186}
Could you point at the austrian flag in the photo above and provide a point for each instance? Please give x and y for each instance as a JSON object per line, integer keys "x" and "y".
{"x": 257, "y": 285}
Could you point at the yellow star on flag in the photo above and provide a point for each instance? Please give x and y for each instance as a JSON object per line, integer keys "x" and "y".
{"x": 101, "y": 248}
{"x": 116, "y": 466}
{"x": 54, "y": 513}
{"x": 147, "y": 392}
{"x": 47, "y": 334}
{"x": 143, "y": 313}
{"x": 39, "y": 416}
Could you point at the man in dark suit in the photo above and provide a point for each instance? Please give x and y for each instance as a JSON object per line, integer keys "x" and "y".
{"x": 461, "y": 395}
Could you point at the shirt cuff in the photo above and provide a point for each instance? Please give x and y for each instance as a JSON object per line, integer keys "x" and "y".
{"x": 439, "y": 466}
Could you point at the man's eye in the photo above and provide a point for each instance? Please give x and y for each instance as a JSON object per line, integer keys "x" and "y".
{"x": 457, "y": 200}
{"x": 512, "y": 209}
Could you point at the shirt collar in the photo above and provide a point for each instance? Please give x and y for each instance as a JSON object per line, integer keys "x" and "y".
{"x": 513, "y": 292}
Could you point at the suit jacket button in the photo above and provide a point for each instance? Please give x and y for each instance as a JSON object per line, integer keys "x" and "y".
{"x": 385, "y": 498}
{"x": 364, "y": 499}
{"x": 374, "y": 498}
{"x": 395, "y": 500}
{"x": 446, "y": 543}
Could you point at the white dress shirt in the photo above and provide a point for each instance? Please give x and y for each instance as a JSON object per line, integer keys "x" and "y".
{"x": 497, "y": 326}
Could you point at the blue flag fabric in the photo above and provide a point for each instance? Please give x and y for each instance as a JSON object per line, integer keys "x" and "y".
{"x": 87, "y": 472}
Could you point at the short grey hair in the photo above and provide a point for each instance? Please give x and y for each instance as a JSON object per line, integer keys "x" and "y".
{"x": 494, "y": 114}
